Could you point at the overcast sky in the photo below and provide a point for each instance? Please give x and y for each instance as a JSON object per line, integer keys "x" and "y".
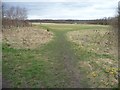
{"x": 62, "y": 9}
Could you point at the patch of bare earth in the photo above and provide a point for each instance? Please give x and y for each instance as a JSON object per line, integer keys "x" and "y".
{"x": 26, "y": 37}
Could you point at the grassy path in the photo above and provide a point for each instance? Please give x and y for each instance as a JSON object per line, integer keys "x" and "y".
{"x": 65, "y": 59}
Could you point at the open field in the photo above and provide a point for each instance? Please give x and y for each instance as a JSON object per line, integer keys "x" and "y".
{"x": 73, "y": 55}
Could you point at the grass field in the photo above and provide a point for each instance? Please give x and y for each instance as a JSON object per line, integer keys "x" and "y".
{"x": 74, "y": 57}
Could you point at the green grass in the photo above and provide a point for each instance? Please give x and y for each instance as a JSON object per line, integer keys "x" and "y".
{"x": 50, "y": 65}
{"x": 73, "y": 27}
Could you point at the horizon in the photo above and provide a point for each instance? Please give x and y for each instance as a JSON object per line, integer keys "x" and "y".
{"x": 84, "y": 10}
{"x": 70, "y": 19}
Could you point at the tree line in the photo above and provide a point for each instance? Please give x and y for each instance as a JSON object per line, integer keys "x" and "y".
{"x": 103, "y": 21}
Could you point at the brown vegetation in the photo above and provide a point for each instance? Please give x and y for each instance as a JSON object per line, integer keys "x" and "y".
{"x": 101, "y": 72}
{"x": 26, "y": 37}
{"x": 99, "y": 41}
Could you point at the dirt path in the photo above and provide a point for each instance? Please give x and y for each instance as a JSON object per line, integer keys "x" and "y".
{"x": 68, "y": 59}
{"x": 65, "y": 60}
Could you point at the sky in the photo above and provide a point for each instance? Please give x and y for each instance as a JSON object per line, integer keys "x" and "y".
{"x": 67, "y": 9}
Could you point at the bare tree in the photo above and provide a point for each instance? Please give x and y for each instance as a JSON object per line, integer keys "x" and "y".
{"x": 119, "y": 15}
{"x": 0, "y": 16}
{"x": 3, "y": 10}
{"x": 119, "y": 33}
{"x": 21, "y": 13}
{"x": 14, "y": 16}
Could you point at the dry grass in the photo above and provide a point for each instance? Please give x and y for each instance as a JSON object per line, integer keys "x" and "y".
{"x": 101, "y": 72}
{"x": 100, "y": 41}
{"x": 26, "y": 37}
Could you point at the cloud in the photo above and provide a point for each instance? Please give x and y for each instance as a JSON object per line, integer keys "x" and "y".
{"x": 60, "y": 1}
{"x": 81, "y": 9}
